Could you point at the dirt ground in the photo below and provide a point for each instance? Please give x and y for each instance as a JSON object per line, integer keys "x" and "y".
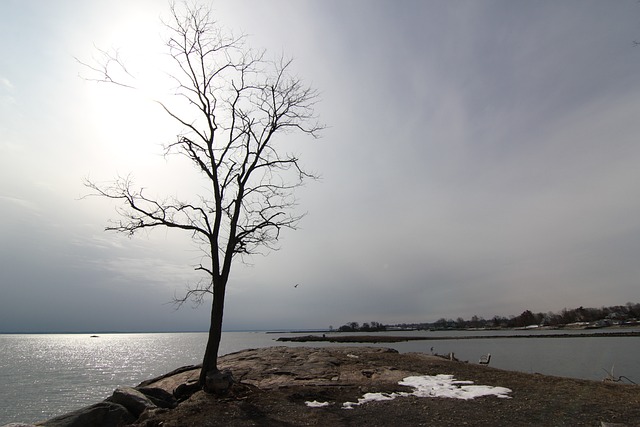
{"x": 536, "y": 400}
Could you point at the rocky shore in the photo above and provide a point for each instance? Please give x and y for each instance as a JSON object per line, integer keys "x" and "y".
{"x": 361, "y": 386}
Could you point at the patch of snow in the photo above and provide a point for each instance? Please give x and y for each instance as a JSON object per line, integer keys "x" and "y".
{"x": 435, "y": 386}
{"x": 447, "y": 386}
{"x": 353, "y": 356}
{"x": 370, "y": 397}
{"x": 316, "y": 404}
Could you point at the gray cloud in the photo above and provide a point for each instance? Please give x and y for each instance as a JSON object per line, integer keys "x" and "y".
{"x": 481, "y": 158}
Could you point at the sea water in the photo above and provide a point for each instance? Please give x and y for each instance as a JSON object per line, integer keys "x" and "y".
{"x": 42, "y": 376}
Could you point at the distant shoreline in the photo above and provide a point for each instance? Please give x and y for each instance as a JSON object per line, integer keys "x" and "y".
{"x": 392, "y": 339}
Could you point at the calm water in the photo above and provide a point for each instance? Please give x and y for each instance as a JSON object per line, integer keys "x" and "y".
{"x": 42, "y": 376}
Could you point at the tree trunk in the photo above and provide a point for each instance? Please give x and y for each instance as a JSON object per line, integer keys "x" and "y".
{"x": 210, "y": 361}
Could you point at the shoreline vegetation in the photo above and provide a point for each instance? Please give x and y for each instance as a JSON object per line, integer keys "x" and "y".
{"x": 393, "y": 339}
{"x": 577, "y": 318}
{"x": 358, "y": 387}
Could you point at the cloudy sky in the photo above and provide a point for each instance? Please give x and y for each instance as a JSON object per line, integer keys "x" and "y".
{"x": 481, "y": 158}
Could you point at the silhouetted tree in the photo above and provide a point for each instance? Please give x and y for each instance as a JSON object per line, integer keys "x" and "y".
{"x": 477, "y": 322}
{"x": 440, "y": 323}
{"x": 235, "y": 104}
{"x": 567, "y": 316}
{"x": 633, "y": 310}
{"x": 527, "y": 318}
{"x": 377, "y": 326}
{"x": 499, "y": 321}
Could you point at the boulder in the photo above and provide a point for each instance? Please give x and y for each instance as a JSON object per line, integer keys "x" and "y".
{"x": 188, "y": 375}
{"x": 135, "y": 401}
{"x": 190, "y": 370}
{"x": 186, "y": 389}
{"x": 103, "y": 414}
{"x": 161, "y": 398}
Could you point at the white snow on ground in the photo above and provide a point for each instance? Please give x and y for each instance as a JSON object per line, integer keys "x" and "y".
{"x": 447, "y": 386}
{"x": 371, "y": 397}
{"x": 429, "y": 386}
{"x": 316, "y": 404}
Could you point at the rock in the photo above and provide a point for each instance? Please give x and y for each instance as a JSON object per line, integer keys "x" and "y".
{"x": 175, "y": 380}
{"x": 160, "y": 397}
{"x": 277, "y": 367}
{"x": 135, "y": 401}
{"x": 185, "y": 390}
{"x": 103, "y": 414}
{"x": 18, "y": 425}
{"x": 219, "y": 383}
{"x": 125, "y": 406}
{"x": 189, "y": 370}
{"x": 150, "y": 414}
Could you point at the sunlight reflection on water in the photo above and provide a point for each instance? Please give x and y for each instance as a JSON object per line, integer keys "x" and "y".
{"x": 47, "y": 375}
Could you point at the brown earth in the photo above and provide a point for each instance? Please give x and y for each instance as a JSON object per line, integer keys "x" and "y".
{"x": 273, "y": 384}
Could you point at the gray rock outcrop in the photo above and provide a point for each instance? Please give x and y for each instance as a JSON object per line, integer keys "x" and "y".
{"x": 135, "y": 401}
{"x": 125, "y": 406}
{"x": 161, "y": 398}
{"x": 275, "y": 367}
{"x": 103, "y": 414}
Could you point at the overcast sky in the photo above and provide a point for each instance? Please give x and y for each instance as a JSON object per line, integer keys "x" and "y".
{"x": 481, "y": 158}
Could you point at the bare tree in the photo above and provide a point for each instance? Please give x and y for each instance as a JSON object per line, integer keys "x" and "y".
{"x": 232, "y": 104}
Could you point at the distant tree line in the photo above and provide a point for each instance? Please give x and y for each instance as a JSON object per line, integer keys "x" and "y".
{"x": 365, "y": 327}
{"x": 619, "y": 314}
